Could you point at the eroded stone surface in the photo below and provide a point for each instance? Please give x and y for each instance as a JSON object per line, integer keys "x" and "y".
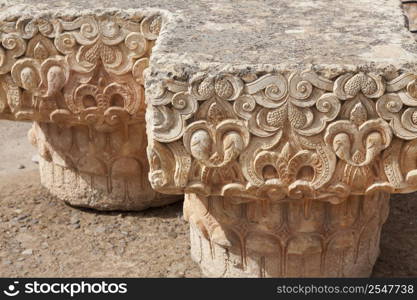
{"x": 101, "y": 172}
{"x": 230, "y": 239}
{"x": 80, "y": 78}
{"x": 298, "y": 102}
{"x": 327, "y": 129}
{"x": 204, "y": 34}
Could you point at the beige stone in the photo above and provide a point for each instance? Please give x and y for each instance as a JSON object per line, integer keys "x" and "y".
{"x": 410, "y": 11}
{"x": 287, "y": 167}
{"x": 286, "y": 173}
{"x": 276, "y": 239}
{"x": 80, "y": 79}
{"x": 285, "y": 123}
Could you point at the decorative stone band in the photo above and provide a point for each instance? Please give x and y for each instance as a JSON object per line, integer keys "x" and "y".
{"x": 84, "y": 70}
{"x": 289, "y": 136}
{"x": 80, "y": 79}
{"x": 410, "y": 11}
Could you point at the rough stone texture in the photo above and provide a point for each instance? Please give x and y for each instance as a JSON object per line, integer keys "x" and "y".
{"x": 69, "y": 242}
{"x": 278, "y": 241}
{"x": 67, "y": 171}
{"x": 207, "y": 34}
{"x": 80, "y": 79}
{"x": 274, "y": 102}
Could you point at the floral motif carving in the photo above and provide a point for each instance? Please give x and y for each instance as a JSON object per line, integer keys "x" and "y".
{"x": 291, "y": 135}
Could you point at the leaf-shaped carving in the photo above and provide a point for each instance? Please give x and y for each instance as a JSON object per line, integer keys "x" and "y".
{"x": 300, "y": 90}
{"x": 349, "y": 85}
{"x": 168, "y": 125}
{"x": 326, "y": 110}
{"x": 138, "y": 68}
{"x": 244, "y": 106}
{"x": 13, "y": 47}
{"x": 226, "y": 87}
{"x": 269, "y": 90}
{"x": 26, "y": 74}
{"x": 403, "y": 122}
{"x": 358, "y": 146}
{"x": 216, "y": 146}
{"x": 151, "y": 26}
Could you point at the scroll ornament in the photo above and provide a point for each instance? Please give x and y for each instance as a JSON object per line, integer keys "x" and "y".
{"x": 290, "y": 136}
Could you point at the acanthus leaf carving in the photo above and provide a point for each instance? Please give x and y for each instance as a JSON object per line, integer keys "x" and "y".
{"x": 309, "y": 137}
{"x": 402, "y": 120}
{"x": 75, "y": 69}
{"x": 349, "y": 85}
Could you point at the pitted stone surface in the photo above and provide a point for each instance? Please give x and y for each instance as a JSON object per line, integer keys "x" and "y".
{"x": 80, "y": 79}
{"x": 286, "y": 123}
{"x": 224, "y": 34}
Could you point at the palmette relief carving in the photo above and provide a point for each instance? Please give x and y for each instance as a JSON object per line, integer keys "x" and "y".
{"x": 84, "y": 70}
{"x": 275, "y": 239}
{"x": 81, "y": 80}
{"x": 290, "y": 136}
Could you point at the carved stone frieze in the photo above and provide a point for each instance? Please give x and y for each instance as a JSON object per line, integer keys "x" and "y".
{"x": 81, "y": 80}
{"x": 285, "y": 173}
{"x": 285, "y": 135}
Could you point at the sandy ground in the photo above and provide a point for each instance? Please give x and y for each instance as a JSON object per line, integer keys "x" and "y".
{"x": 15, "y": 150}
{"x": 41, "y": 236}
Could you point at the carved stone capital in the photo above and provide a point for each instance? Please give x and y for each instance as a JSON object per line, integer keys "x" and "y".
{"x": 288, "y": 107}
{"x": 80, "y": 79}
{"x": 289, "y": 135}
{"x": 269, "y": 163}
{"x": 275, "y": 239}
{"x": 79, "y": 70}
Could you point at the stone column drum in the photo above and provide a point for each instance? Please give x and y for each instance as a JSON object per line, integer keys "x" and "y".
{"x": 78, "y": 76}
{"x": 287, "y": 153}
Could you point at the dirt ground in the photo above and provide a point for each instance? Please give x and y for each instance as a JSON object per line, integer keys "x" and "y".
{"x": 43, "y": 237}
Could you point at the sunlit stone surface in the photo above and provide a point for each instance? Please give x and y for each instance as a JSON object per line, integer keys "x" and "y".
{"x": 286, "y": 124}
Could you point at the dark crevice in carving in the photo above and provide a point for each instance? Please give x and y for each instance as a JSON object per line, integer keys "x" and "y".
{"x": 410, "y": 13}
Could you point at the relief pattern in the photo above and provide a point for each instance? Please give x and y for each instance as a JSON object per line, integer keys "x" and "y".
{"x": 280, "y": 136}
{"x": 83, "y": 70}
{"x": 81, "y": 80}
{"x": 275, "y": 239}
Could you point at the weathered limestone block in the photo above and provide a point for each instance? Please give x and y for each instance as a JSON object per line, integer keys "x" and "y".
{"x": 410, "y": 11}
{"x": 255, "y": 239}
{"x": 288, "y": 138}
{"x": 78, "y": 75}
{"x": 286, "y": 123}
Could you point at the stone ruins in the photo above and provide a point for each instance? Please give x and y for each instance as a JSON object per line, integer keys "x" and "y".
{"x": 285, "y": 124}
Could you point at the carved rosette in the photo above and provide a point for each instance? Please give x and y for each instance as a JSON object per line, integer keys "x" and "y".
{"x": 290, "y": 136}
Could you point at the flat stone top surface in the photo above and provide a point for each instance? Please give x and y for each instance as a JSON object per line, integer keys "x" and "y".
{"x": 288, "y": 34}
